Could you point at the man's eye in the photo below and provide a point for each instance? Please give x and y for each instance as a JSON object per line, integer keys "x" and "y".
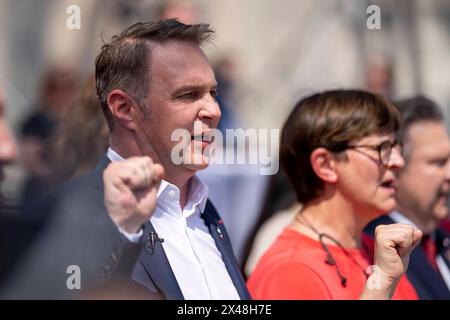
{"x": 440, "y": 162}
{"x": 188, "y": 96}
{"x": 213, "y": 94}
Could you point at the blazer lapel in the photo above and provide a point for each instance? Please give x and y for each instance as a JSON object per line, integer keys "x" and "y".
{"x": 98, "y": 173}
{"x": 157, "y": 266}
{"x": 421, "y": 271}
{"x": 221, "y": 238}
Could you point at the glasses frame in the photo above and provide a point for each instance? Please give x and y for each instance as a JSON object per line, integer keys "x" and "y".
{"x": 379, "y": 148}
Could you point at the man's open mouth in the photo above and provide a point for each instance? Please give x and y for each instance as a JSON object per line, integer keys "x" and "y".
{"x": 204, "y": 137}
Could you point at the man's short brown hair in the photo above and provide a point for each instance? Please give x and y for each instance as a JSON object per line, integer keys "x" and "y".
{"x": 412, "y": 111}
{"x": 331, "y": 120}
{"x": 124, "y": 62}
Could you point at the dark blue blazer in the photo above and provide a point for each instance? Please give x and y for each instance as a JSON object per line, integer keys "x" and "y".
{"x": 82, "y": 233}
{"x": 427, "y": 282}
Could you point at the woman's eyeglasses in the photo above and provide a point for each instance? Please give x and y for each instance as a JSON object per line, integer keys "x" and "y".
{"x": 384, "y": 150}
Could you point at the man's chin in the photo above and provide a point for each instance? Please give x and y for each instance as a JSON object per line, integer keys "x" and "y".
{"x": 199, "y": 162}
{"x": 197, "y": 167}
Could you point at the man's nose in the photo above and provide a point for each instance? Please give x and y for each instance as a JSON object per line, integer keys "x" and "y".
{"x": 210, "y": 111}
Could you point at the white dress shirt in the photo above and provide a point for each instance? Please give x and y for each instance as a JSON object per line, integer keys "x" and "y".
{"x": 443, "y": 269}
{"x": 192, "y": 253}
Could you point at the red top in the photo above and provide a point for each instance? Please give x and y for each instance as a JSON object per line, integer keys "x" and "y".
{"x": 294, "y": 268}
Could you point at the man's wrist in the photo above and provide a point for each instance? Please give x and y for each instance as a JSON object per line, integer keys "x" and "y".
{"x": 130, "y": 226}
{"x": 133, "y": 237}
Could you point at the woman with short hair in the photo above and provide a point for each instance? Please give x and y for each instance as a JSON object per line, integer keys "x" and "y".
{"x": 339, "y": 150}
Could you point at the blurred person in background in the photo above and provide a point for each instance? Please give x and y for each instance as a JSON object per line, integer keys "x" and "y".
{"x": 379, "y": 75}
{"x": 57, "y": 92}
{"x": 181, "y": 10}
{"x": 226, "y": 70}
{"x": 75, "y": 146}
{"x": 58, "y": 89}
{"x": 9, "y": 221}
{"x": 35, "y": 155}
{"x": 339, "y": 150}
{"x": 423, "y": 187}
{"x": 82, "y": 138}
{"x": 8, "y": 147}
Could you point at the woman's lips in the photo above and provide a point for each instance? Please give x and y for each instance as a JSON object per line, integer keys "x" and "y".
{"x": 389, "y": 185}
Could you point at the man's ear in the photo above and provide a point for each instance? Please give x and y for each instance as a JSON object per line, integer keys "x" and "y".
{"x": 123, "y": 108}
{"x": 324, "y": 164}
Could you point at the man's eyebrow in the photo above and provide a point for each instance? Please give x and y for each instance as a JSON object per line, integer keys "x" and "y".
{"x": 194, "y": 88}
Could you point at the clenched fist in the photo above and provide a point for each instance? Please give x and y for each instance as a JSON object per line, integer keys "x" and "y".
{"x": 393, "y": 245}
{"x": 131, "y": 187}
